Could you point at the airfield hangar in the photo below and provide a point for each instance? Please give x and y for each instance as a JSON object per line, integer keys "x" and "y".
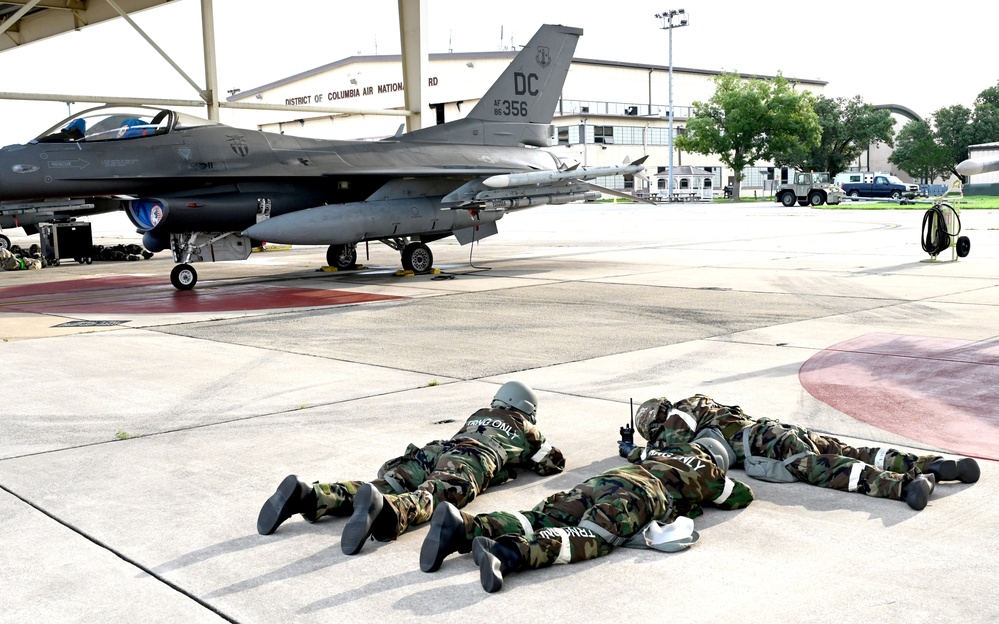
{"x": 609, "y": 111}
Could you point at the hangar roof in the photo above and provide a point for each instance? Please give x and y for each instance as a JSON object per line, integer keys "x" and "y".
{"x": 41, "y": 19}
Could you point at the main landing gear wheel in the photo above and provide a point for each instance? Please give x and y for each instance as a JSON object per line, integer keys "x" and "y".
{"x": 183, "y": 277}
{"x": 417, "y": 257}
{"x": 341, "y": 256}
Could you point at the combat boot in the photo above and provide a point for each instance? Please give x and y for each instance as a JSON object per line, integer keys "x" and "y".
{"x": 964, "y": 470}
{"x": 291, "y": 497}
{"x": 447, "y": 535}
{"x": 494, "y": 559}
{"x": 917, "y": 492}
{"x": 373, "y": 515}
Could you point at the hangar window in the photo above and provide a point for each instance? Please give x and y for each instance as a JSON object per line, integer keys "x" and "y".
{"x": 603, "y": 134}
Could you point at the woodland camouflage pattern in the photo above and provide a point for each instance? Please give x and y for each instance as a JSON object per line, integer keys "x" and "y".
{"x": 661, "y": 485}
{"x": 880, "y": 472}
{"x": 485, "y": 452}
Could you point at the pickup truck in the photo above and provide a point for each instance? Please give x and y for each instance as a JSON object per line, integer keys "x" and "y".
{"x": 881, "y": 186}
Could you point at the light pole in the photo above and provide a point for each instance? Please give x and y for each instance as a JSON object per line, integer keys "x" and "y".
{"x": 667, "y": 24}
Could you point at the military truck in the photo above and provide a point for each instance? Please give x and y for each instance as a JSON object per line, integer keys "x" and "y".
{"x": 812, "y": 188}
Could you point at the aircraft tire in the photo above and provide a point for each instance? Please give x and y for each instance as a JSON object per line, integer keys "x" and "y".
{"x": 183, "y": 277}
{"x": 4, "y": 242}
{"x": 341, "y": 256}
{"x": 417, "y": 257}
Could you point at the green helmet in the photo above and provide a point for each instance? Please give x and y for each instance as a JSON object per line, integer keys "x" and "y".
{"x": 518, "y": 396}
{"x": 650, "y": 417}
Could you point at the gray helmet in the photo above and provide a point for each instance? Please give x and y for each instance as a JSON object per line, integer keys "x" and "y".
{"x": 518, "y": 396}
{"x": 711, "y": 441}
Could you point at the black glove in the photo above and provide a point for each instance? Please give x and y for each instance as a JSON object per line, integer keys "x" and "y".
{"x": 625, "y": 448}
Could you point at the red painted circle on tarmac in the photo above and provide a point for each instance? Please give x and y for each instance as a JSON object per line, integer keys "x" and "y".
{"x": 149, "y": 295}
{"x": 939, "y": 391}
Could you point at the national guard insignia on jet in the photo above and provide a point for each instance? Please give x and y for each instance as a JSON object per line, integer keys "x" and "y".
{"x": 544, "y": 56}
{"x": 238, "y": 144}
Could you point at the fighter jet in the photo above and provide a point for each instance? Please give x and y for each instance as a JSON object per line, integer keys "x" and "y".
{"x": 975, "y": 167}
{"x": 207, "y": 191}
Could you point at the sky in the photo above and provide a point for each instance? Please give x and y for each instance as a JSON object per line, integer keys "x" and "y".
{"x": 885, "y": 51}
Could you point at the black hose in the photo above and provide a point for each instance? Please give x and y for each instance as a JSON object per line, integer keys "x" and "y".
{"x": 936, "y": 237}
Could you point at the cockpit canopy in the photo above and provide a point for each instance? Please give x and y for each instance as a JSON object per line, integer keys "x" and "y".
{"x": 113, "y": 123}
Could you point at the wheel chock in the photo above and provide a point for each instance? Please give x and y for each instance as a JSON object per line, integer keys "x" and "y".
{"x": 404, "y": 273}
{"x": 329, "y": 269}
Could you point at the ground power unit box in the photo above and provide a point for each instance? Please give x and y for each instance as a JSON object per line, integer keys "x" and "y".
{"x": 67, "y": 240}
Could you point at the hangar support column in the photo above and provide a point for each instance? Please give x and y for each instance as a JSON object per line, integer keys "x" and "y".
{"x": 415, "y": 58}
{"x": 211, "y": 92}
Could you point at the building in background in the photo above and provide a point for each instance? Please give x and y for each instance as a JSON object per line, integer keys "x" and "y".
{"x": 609, "y": 111}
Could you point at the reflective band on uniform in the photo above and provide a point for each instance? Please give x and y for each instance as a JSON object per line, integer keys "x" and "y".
{"x": 537, "y": 457}
{"x": 685, "y": 417}
{"x": 395, "y": 485}
{"x": 879, "y": 459}
{"x": 729, "y": 486}
{"x": 525, "y": 524}
{"x": 855, "y": 471}
{"x": 604, "y": 534}
{"x": 565, "y": 550}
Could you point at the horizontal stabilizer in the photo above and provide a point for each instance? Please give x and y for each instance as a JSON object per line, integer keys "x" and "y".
{"x": 621, "y": 194}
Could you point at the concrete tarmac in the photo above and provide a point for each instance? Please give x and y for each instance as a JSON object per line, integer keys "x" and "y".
{"x": 143, "y": 428}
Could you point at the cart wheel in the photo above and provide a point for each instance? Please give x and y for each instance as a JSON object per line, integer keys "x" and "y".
{"x": 90, "y": 260}
{"x": 963, "y": 246}
{"x": 78, "y": 260}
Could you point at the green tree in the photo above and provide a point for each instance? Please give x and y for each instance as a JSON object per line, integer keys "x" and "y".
{"x": 985, "y": 118}
{"x": 918, "y": 153}
{"x": 746, "y": 121}
{"x": 954, "y": 132}
{"x": 849, "y": 126}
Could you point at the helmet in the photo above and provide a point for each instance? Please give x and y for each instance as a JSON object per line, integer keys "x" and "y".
{"x": 518, "y": 396}
{"x": 710, "y": 441}
{"x": 648, "y": 422}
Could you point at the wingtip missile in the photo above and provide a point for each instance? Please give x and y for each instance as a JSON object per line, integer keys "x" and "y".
{"x": 975, "y": 167}
{"x": 508, "y": 180}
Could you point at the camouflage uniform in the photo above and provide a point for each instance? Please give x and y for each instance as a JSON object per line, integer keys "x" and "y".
{"x": 828, "y": 462}
{"x": 13, "y": 262}
{"x": 587, "y": 521}
{"x": 121, "y": 252}
{"x": 491, "y": 444}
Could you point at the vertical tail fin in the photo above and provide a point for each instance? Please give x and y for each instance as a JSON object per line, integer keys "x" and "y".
{"x": 518, "y": 108}
{"x": 529, "y": 89}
